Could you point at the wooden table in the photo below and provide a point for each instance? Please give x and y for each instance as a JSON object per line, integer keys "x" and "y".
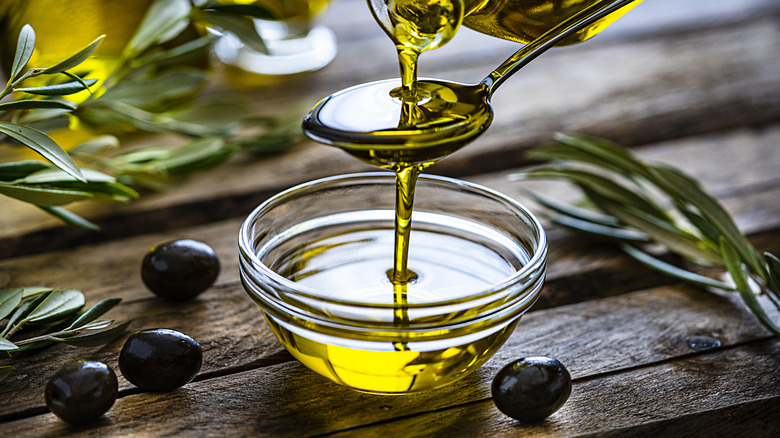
{"x": 695, "y": 84}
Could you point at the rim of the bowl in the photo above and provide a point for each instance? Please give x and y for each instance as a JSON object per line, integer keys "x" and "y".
{"x": 536, "y": 262}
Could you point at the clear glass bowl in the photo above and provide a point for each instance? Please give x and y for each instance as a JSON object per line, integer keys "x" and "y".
{"x": 315, "y": 257}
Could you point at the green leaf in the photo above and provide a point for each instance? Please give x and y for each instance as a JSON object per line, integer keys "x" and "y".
{"x": 605, "y": 152}
{"x": 6, "y": 345}
{"x": 605, "y": 231}
{"x": 24, "y": 49}
{"x": 43, "y": 197}
{"x": 242, "y": 27}
{"x": 253, "y": 10}
{"x": 60, "y": 89}
{"x": 48, "y": 176}
{"x": 19, "y": 169}
{"x": 70, "y": 218}
{"x": 162, "y": 19}
{"x": 574, "y": 212}
{"x": 150, "y": 92}
{"x": 98, "y": 338}
{"x": 42, "y": 144}
{"x": 673, "y": 271}
{"x": 27, "y": 104}
{"x": 96, "y": 145}
{"x": 773, "y": 266}
{"x": 22, "y": 311}
{"x": 599, "y": 184}
{"x": 59, "y": 303}
{"x": 94, "y": 312}
{"x": 685, "y": 189}
{"x": 5, "y": 371}
{"x": 9, "y": 299}
{"x": 668, "y": 235}
{"x": 734, "y": 266}
{"x": 171, "y": 54}
{"x": 196, "y": 155}
{"x": 75, "y": 59}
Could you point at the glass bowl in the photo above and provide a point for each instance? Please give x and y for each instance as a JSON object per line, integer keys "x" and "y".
{"x": 315, "y": 259}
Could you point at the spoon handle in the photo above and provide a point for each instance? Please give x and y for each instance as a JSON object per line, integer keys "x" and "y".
{"x": 566, "y": 28}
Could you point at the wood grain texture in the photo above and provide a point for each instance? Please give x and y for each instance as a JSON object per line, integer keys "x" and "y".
{"x": 631, "y": 339}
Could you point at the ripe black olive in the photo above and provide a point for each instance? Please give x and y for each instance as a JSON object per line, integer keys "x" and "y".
{"x": 160, "y": 359}
{"x": 532, "y": 388}
{"x": 81, "y": 391}
{"x": 180, "y": 270}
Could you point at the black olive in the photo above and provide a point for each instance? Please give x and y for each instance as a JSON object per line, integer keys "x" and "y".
{"x": 81, "y": 391}
{"x": 532, "y": 388}
{"x": 160, "y": 359}
{"x": 180, "y": 270}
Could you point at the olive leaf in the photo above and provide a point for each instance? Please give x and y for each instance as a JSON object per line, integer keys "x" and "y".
{"x": 19, "y": 169}
{"x": 6, "y": 345}
{"x": 70, "y": 218}
{"x": 42, "y": 196}
{"x": 42, "y": 144}
{"x": 59, "y": 303}
{"x": 98, "y": 337}
{"x": 62, "y": 89}
{"x": 75, "y": 59}
{"x": 255, "y": 10}
{"x": 163, "y": 20}
{"x": 242, "y": 27}
{"x": 34, "y": 104}
{"x": 24, "y": 49}
{"x": 5, "y": 371}
{"x": 21, "y": 312}
{"x": 94, "y": 312}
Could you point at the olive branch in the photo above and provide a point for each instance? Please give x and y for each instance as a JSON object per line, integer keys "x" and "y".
{"x": 638, "y": 205}
{"x": 155, "y": 89}
{"x": 32, "y": 318}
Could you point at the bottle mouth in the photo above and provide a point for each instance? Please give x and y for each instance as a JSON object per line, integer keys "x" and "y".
{"x": 265, "y": 233}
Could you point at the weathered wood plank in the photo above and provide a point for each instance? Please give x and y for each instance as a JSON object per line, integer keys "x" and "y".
{"x": 633, "y": 339}
{"x": 647, "y": 90}
{"x": 734, "y": 392}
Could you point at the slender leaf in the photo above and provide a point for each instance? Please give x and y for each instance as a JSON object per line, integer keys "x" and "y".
{"x": 674, "y": 271}
{"x": 605, "y": 152}
{"x": 59, "y": 303}
{"x": 27, "y": 104}
{"x": 70, "y": 218}
{"x": 676, "y": 240}
{"x": 255, "y": 10}
{"x": 163, "y": 17}
{"x": 94, "y": 312}
{"x": 5, "y": 371}
{"x": 98, "y": 338}
{"x": 242, "y": 27}
{"x": 47, "y": 176}
{"x": 43, "y": 197}
{"x": 6, "y": 345}
{"x": 24, "y": 49}
{"x": 600, "y": 230}
{"x": 19, "y": 169}
{"x": 734, "y": 265}
{"x": 75, "y": 59}
{"x": 773, "y": 266}
{"x": 171, "y": 54}
{"x": 41, "y": 143}
{"x": 62, "y": 89}
{"x": 703, "y": 225}
{"x": 96, "y": 145}
{"x": 9, "y": 299}
{"x": 21, "y": 313}
{"x": 682, "y": 187}
{"x": 574, "y": 212}
{"x": 196, "y": 155}
{"x": 600, "y": 184}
